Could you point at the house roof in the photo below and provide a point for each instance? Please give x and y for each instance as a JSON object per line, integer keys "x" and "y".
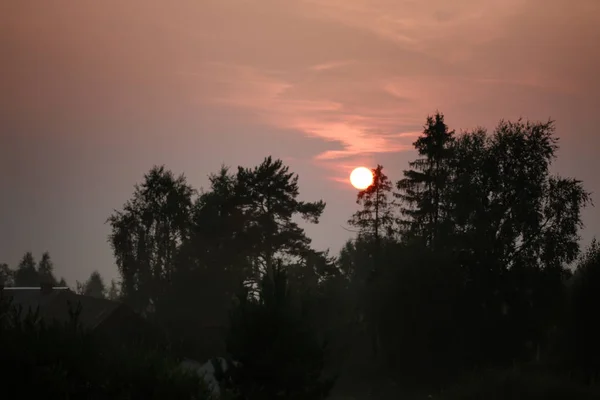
{"x": 54, "y": 304}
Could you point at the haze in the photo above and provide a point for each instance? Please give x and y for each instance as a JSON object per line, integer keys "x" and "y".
{"x": 93, "y": 93}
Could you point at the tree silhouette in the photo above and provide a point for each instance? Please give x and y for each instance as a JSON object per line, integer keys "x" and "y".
{"x": 269, "y": 195}
{"x": 516, "y": 226}
{"x": 6, "y": 275}
{"x": 26, "y": 274}
{"x": 580, "y": 346}
{"x": 46, "y": 270}
{"x": 423, "y": 187}
{"x": 94, "y": 286}
{"x": 376, "y": 217}
{"x": 279, "y": 353}
{"x": 114, "y": 292}
{"x": 147, "y": 233}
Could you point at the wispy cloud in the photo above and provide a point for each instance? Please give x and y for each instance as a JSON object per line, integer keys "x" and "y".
{"x": 330, "y": 65}
{"x": 278, "y": 100}
{"x": 366, "y": 72}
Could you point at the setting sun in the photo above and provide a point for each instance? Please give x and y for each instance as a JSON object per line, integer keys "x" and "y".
{"x": 361, "y": 178}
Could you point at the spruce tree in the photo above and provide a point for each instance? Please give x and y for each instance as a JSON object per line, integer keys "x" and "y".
{"x": 423, "y": 187}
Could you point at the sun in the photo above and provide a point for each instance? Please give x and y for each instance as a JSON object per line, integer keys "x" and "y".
{"x": 361, "y": 178}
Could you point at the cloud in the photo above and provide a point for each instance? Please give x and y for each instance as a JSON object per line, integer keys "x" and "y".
{"x": 365, "y": 73}
{"x": 330, "y": 65}
{"x": 310, "y": 104}
{"x": 357, "y": 74}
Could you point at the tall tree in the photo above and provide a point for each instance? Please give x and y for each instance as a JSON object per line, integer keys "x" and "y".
{"x": 516, "y": 228}
{"x": 376, "y": 217}
{"x": 218, "y": 243}
{"x": 269, "y": 194}
{"x": 212, "y": 263}
{"x": 422, "y": 190}
{"x": 26, "y": 274}
{"x": 147, "y": 234}
{"x": 46, "y": 270}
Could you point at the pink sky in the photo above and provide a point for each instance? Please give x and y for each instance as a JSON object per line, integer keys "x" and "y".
{"x": 92, "y": 94}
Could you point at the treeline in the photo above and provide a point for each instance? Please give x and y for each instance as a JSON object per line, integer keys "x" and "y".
{"x": 28, "y": 273}
{"x": 462, "y": 266}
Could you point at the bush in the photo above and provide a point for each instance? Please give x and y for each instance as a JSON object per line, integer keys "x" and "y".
{"x": 59, "y": 360}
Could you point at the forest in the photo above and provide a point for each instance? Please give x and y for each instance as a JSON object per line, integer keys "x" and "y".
{"x": 464, "y": 279}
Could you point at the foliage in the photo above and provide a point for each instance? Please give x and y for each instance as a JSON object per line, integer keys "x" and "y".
{"x": 269, "y": 194}
{"x": 94, "y": 286}
{"x": 147, "y": 233}
{"x": 114, "y": 291}
{"x": 376, "y": 217}
{"x": 26, "y": 273}
{"x": 422, "y": 191}
{"x": 6, "y": 275}
{"x": 464, "y": 268}
{"x": 64, "y": 361}
{"x": 576, "y": 346}
{"x": 45, "y": 270}
{"x": 280, "y": 355}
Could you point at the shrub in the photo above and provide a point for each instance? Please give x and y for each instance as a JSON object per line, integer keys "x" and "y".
{"x": 62, "y": 360}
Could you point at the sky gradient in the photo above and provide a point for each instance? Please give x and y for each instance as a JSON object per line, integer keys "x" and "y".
{"x": 93, "y": 93}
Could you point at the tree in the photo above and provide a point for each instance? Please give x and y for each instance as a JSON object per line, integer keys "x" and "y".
{"x": 46, "y": 270}
{"x": 212, "y": 262}
{"x": 218, "y": 242}
{"x": 114, "y": 292}
{"x": 239, "y": 227}
{"x": 147, "y": 234}
{"x": 6, "y": 275}
{"x": 376, "y": 218}
{"x": 93, "y": 287}
{"x": 280, "y": 354}
{"x": 580, "y": 346}
{"x": 26, "y": 274}
{"x": 422, "y": 190}
{"x": 269, "y": 195}
{"x": 516, "y": 227}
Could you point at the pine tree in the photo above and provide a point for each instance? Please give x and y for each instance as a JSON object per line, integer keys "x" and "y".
{"x": 93, "y": 287}
{"x": 376, "y": 217}
{"x": 423, "y": 187}
{"x": 46, "y": 270}
{"x": 269, "y": 194}
{"x": 26, "y": 274}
